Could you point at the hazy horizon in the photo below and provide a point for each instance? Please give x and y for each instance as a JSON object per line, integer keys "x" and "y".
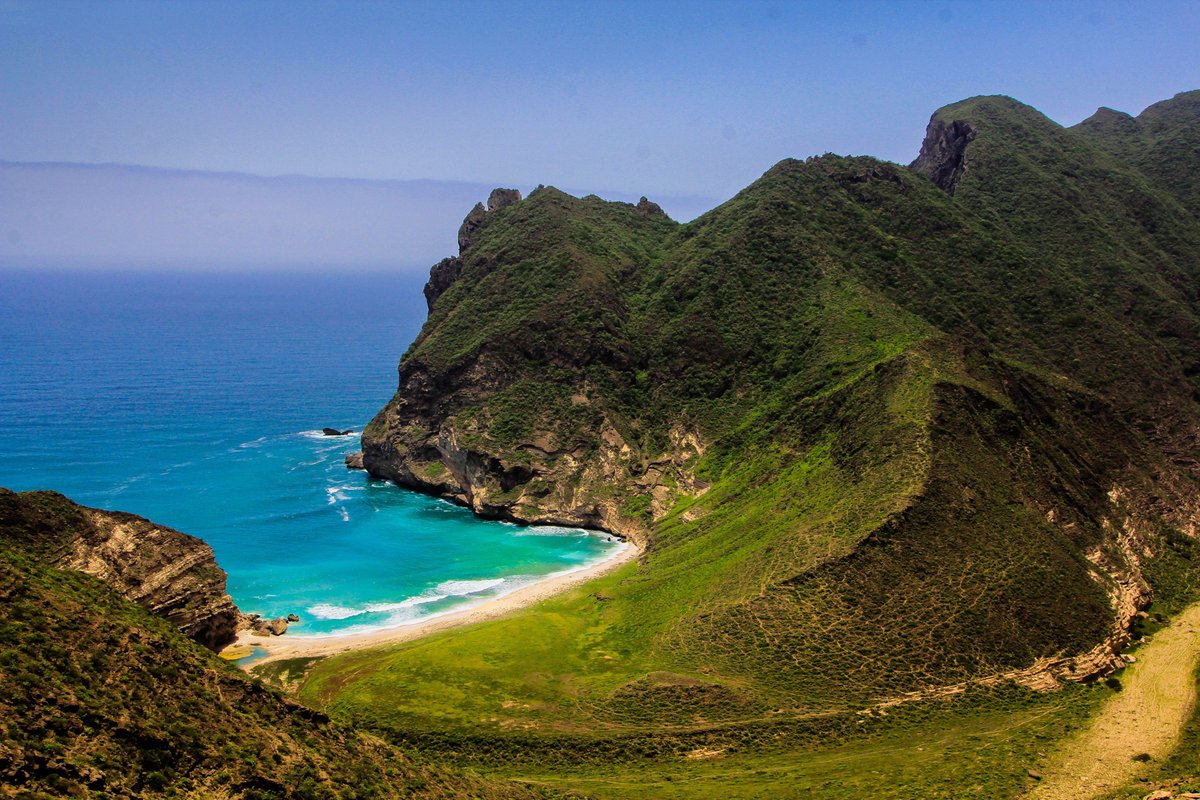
{"x": 104, "y": 216}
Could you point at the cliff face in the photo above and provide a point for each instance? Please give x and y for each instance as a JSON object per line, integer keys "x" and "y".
{"x": 539, "y": 464}
{"x": 943, "y": 156}
{"x": 424, "y": 441}
{"x": 168, "y": 573}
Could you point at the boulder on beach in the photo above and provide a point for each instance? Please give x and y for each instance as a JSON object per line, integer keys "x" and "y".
{"x": 271, "y": 627}
{"x": 293, "y": 618}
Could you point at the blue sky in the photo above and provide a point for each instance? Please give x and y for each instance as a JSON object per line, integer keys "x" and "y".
{"x": 686, "y": 102}
{"x": 679, "y": 98}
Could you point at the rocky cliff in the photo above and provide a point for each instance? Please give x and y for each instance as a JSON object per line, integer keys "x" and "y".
{"x": 563, "y": 458}
{"x": 943, "y": 156}
{"x": 168, "y": 573}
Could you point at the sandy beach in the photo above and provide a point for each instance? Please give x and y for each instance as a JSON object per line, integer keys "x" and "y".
{"x": 299, "y": 646}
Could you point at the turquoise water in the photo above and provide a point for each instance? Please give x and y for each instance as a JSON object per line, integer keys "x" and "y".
{"x": 196, "y": 401}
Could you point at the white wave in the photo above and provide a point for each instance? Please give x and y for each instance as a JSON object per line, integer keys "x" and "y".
{"x": 419, "y": 600}
{"x": 463, "y": 588}
{"x": 550, "y": 530}
{"x": 408, "y": 612}
{"x": 331, "y": 611}
{"x": 345, "y": 515}
{"x": 256, "y": 443}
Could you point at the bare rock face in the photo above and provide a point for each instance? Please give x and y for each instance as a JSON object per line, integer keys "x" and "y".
{"x": 168, "y": 573}
{"x": 470, "y": 226}
{"x": 943, "y": 157}
{"x": 418, "y": 441}
{"x": 355, "y": 460}
{"x": 501, "y": 198}
{"x": 441, "y": 275}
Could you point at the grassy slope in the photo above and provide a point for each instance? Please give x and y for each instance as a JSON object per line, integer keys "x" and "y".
{"x": 99, "y": 698}
{"x": 881, "y": 492}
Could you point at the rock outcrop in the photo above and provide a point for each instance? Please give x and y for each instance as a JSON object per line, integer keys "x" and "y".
{"x": 478, "y": 216}
{"x": 943, "y": 156}
{"x": 502, "y": 198}
{"x": 446, "y": 271}
{"x": 649, "y": 209}
{"x": 441, "y": 275}
{"x": 169, "y": 573}
{"x": 354, "y": 460}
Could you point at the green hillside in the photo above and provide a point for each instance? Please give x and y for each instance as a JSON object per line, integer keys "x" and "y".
{"x": 1163, "y": 142}
{"x": 99, "y": 698}
{"x": 878, "y": 429}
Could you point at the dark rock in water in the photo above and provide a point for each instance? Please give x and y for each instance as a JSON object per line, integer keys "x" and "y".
{"x": 355, "y": 461}
{"x": 336, "y": 432}
{"x": 293, "y": 618}
{"x": 168, "y": 573}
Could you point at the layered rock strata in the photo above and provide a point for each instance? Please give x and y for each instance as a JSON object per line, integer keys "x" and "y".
{"x": 169, "y": 573}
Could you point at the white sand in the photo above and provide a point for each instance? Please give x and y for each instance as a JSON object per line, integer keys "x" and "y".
{"x": 280, "y": 647}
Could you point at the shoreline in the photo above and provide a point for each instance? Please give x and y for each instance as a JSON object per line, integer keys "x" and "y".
{"x": 276, "y": 648}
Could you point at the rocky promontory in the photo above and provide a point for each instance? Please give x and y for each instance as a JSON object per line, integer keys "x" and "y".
{"x": 166, "y": 572}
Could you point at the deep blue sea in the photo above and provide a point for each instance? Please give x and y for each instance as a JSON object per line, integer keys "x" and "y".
{"x": 196, "y": 400}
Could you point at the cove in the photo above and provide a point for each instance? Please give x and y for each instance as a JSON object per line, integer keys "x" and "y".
{"x": 196, "y": 400}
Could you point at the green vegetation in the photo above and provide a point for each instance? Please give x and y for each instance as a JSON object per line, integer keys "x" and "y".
{"x": 879, "y": 443}
{"x": 99, "y": 698}
{"x": 935, "y": 435}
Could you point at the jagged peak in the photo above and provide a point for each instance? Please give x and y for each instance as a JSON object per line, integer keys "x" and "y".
{"x": 944, "y": 156}
{"x": 649, "y": 209}
{"x": 478, "y": 216}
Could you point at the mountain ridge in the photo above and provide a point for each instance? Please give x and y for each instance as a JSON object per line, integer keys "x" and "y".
{"x": 880, "y": 431}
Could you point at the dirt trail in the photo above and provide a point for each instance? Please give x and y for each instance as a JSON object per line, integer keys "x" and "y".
{"x": 1146, "y": 717}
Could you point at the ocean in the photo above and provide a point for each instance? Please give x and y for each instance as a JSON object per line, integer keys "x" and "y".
{"x": 196, "y": 400}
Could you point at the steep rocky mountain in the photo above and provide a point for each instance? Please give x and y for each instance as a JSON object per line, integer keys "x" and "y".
{"x": 101, "y": 698}
{"x": 879, "y": 429}
{"x": 168, "y": 573}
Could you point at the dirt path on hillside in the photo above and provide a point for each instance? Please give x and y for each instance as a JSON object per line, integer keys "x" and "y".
{"x": 1146, "y": 717}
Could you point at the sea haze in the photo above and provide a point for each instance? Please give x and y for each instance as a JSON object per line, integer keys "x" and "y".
{"x": 197, "y": 400}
